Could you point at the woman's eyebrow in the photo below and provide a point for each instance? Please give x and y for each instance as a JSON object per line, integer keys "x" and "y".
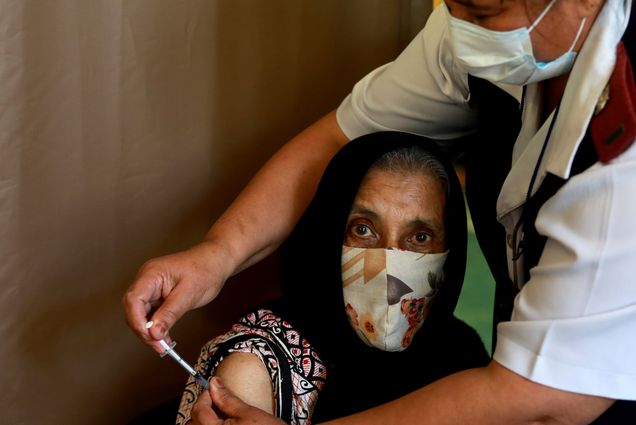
{"x": 431, "y": 224}
{"x": 358, "y": 209}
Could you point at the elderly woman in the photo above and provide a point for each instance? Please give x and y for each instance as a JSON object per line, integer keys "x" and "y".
{"x": 371, "y": 275}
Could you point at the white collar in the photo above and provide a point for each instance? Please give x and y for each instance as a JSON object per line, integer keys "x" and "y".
{"x": 588, "y": 78}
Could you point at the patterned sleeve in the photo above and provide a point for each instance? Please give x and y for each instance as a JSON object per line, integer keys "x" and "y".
{"x": 296, "y": 370}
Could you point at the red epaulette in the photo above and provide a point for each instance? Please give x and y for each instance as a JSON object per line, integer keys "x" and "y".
{"x": 613, "y": 126}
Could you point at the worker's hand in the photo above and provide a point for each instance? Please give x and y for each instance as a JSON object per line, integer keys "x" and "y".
{"x": 168, "y": 287}
{"x": 219, "y": 406}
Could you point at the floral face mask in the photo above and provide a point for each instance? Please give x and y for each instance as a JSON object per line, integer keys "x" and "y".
{"x": 388, "y": 293}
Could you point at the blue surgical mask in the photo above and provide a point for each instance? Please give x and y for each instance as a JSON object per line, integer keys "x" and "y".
{"x": 505, "y": 56}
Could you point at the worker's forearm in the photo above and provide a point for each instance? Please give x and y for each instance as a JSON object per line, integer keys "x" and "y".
{"x": 491, "y": 395}
{"x": 265, "y": 212}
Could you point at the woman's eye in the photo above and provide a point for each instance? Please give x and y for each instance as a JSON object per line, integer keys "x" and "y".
{"x": 361, "y": 230}
{"x": 421, "y": 237}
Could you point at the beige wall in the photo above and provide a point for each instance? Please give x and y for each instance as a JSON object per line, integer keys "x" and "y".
{"x": 126, "y": 127}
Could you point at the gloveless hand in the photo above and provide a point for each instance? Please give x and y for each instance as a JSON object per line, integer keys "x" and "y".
{"x": 167, "y": 287}
{"x": 220, "y": 407}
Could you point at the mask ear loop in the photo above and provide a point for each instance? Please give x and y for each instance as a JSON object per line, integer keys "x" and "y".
{"x": 578, "y": 34}
{"x": 542, "y": 15}
{"x": 545, "y": 11}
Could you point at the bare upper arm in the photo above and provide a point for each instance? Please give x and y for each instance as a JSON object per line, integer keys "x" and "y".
{"x": 246, "y": 376}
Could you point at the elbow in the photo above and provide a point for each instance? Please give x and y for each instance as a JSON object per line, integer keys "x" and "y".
{"x": 538, "y": 404}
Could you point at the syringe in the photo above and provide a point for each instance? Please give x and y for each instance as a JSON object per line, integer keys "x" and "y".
{"x": 170, "y": 351}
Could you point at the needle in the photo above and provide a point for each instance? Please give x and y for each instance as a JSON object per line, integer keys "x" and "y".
{"x": 169, "y": 350}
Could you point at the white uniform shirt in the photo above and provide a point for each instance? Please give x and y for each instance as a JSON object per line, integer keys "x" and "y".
{"x": 574, "y": 323}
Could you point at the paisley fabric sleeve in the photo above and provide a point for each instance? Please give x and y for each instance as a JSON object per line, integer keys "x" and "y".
{"x": 296, "y": 370}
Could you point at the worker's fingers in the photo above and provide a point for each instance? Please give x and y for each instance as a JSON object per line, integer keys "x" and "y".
{"x": 230, "y": 406}
{"x": 202, "y": 412}
{"x": 175, "y": 305}
{"x": 225, "y": 401}
{"x": 139, "y": 300}
{"x": 168, "y": 287}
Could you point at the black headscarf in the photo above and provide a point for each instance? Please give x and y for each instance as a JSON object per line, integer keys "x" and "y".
{"x": 360, "y": 376}
{"x": 310, "y": 258}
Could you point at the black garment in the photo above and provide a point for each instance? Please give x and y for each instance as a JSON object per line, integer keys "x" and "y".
{"x": 360, "y": 376}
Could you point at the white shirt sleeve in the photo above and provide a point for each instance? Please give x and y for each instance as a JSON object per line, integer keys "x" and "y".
{"x": 421, "y": 92}
{"x": 574, "y": 322}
